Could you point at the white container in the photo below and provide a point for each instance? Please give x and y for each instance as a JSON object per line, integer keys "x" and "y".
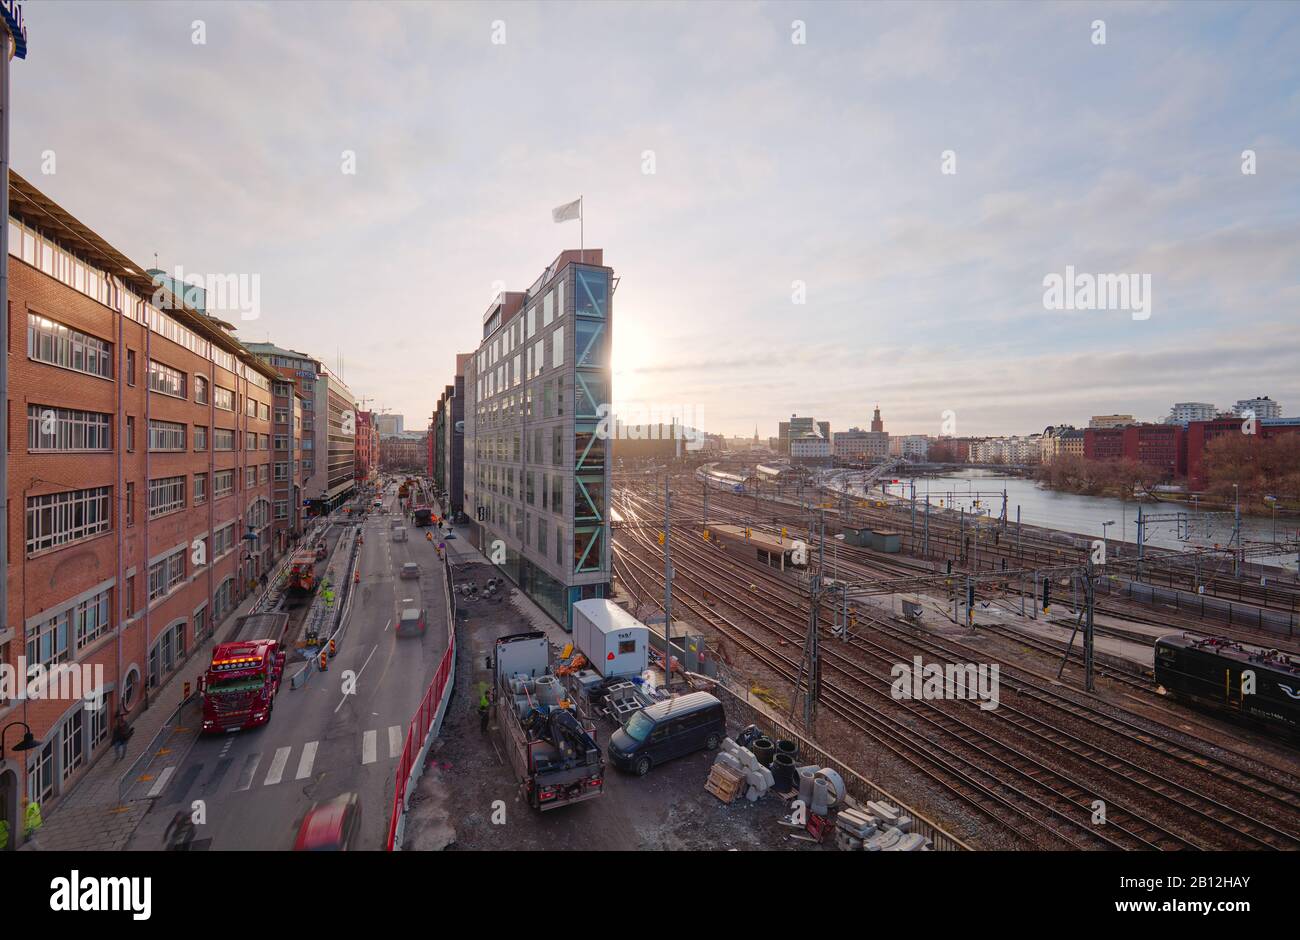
{"x": 613, "y": 641}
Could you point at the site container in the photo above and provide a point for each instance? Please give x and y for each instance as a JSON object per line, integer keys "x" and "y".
{"x": 612, "y": 639}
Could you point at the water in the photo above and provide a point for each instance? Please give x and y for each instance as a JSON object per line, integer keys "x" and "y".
{"x": 1074, "y": 512}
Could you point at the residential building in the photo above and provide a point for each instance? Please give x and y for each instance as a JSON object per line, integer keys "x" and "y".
{"x": 406, "y": 452}
{"x": 367, "y": 444}
{"x": 537, "y": 472}
{"x": 1111, "y": 421}
{"x": 140, "y": 492}
{"x": 1185, "y": 412}
{"x": 910, "y": 446}
{"x": 809, "y": 449}
{"x": 1263, "y": 407}
{"x": 797, "y": 426}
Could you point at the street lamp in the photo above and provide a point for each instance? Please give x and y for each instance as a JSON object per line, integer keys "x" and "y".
{"x": 26, "y": 744}
{"x": 1273, "y": 501}
{"x": 1103, "y": 536}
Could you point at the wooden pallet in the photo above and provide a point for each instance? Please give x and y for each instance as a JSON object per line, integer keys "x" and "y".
{"x": 724, "y": 783}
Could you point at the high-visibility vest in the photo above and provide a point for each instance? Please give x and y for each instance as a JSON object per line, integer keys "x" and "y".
{"x": 32, "y": 818}
{"x": 4, "y": 834}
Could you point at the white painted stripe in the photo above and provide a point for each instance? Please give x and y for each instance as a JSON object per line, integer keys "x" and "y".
{"x": 250, "y": 768}
{"x": 394, "y": 740}
{"x": 308, "y": 758}
{"x": 368, "y": 742}
{"x": 161, "y": 782}
{"x": 274, "y": 775}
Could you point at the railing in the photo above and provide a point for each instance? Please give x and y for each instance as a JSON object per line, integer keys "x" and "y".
{"x": 425, "y": 723}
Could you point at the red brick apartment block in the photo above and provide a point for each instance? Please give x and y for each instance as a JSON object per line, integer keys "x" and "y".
{"x": 139, "y": 457}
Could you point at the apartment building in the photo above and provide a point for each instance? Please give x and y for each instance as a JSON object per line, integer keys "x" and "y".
{"x": 367, "y": 446}
{"x": 447, "y": 439}
{"x": 1262, "y": 407}
{"x": 139, "y": 486}
{"x": 537, "y": 471}
{"x": 286, "y": 464}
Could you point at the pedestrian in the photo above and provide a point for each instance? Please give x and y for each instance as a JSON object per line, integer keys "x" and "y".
{"x": 121, "y": 734}
{"x": 483, "y": 709}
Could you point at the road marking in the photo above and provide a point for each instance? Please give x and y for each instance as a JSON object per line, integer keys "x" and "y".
{"x": 274, "y": 775}
{"x": 161, "y": 782}
{"x": 308, "y": 758}
{"x": 357, "y": 678}
{"x": 389, "y": 624}
{"x": 250, "y": 768}
{"x": 394, "y": 740}
{"x": 368, "y": 742}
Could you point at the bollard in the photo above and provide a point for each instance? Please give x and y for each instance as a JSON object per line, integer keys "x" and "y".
{"x": 357, "y": 578}
{"x": 186, "y": 693}
{"x": 324, "y": 661}
{"x": 333, "y": 648}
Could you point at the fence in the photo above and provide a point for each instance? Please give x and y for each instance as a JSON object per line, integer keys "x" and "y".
{"x": 425, "y": 723}
{"x": 858, "y": 786}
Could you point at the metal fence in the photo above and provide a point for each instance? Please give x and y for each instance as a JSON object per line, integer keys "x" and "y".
{"x": 425, "y": 723}
{"x": 749, "y": 711}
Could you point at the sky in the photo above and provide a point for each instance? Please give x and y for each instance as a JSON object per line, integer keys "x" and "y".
{"x": 766, "y": 180}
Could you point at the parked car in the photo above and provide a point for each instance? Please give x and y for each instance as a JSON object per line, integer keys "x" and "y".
{"x": 331, "y": 826}
{"x": 665, "y": 730}
{"x": 411, "y": 621}
{"x": 410, "y": 570}
{"x": 399, "y": 533}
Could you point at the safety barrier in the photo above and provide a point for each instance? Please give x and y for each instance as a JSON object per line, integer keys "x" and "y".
{"x": 425, "y": 723}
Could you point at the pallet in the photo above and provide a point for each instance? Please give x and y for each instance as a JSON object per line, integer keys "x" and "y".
{"x": 724, "y": 783}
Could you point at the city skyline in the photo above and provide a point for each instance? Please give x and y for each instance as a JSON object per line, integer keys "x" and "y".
{"x": 811, "y": 169}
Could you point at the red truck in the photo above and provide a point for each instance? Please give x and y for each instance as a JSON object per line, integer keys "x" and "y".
{"x": 241, "y": 682}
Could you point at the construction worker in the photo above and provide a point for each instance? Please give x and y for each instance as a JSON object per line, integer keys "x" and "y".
{"x": 483, "y": 708}
{"x": 428, "y": 536}
{"x": 32, "y": 818}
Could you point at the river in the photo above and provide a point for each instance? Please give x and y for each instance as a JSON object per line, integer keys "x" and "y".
{"x": 1075, "y": 512}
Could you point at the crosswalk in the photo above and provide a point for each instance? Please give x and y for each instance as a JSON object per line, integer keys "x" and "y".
{"x": 275, "y": 767}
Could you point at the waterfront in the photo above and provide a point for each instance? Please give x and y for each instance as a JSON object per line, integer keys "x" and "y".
{"x": 1075, "y": 512}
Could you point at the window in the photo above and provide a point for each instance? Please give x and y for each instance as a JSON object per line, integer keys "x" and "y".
{"x": 166, "y": 380}
{"x": 60, "y": 518}
{"x": 200, "y": 390}
{"x": 250, "y": 477}
{"x": 166, "y": 494}
{"x": 264, "y": 473}
{"x": 538, "y": 352}
{"x": 557, "y": 348}
{"x": 200, "y": 621}
{"x": 223, "y": 398}
{"x": 548, "y": 308}
{"x": 282, "y": 471}
{"x": 130, "y": 598}
{"x": 532, "y": 322}
{"x": 66, "y": 429}
{"x": 130, "y": 503}
{"x": 200, "y": 437}
{"x": 282, "y": 509}
{"x": 40, "y": 774}
{"x": 58, "y": 345}
{"x": 281, "y": 416}
{"x": 200, "y": 488}
{"x": 47, "y": 642}
{"x": 282, "y": 442}
{"x": 99, "y": 723}
{"x": 263, "y": 411}
{"x": 223, "y": 439}
{"x": 250, "y": 407}
{"x": 91, "y": 618}
{"x": 166, "y": 436}
{"x": 130, "y": 433}
{"x": 166, "y": 574}
{"x": 263, "y": 442}
{"x": 223, "y": 540}
{"x": 130, "y": 367}
{"x": 223, "y": 483}
{"x": 250, "y": 441}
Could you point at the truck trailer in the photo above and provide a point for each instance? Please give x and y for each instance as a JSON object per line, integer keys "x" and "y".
{"x": 552, "y": 749}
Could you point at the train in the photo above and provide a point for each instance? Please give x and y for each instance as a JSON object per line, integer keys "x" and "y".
{"x": 721, "y": 480}
{"x": 1236, "y": 680}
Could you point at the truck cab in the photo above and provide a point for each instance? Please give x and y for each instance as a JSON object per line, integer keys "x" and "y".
{"x": 240, "y": 685}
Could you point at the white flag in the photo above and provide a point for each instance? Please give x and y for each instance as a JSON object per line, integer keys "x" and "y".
{"x": 570, "y": 210}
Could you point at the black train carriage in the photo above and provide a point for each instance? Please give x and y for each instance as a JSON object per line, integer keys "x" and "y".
{"x": 1207, "y": 671}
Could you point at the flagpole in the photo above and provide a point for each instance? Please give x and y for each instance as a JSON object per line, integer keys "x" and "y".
{"x": 582, "y": 241}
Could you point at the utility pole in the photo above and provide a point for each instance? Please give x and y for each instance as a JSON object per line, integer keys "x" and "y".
{"x": 1089, "y": 599}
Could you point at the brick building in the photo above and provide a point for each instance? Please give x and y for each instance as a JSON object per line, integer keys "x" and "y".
{"x": 139, "y": 458}
{"x": 1103, "y": 443}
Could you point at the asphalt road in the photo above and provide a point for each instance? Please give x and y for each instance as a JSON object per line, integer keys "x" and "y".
{"x": 257, "y": 785}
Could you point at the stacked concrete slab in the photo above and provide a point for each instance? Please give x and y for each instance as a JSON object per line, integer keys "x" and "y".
{"x": 758, "y": 779}
{"x": 877, "y": 827}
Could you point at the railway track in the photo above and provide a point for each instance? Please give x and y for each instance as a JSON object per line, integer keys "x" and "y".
{"x": 1039, "y": 790}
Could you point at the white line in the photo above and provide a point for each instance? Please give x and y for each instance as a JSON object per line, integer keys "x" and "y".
{"x": 389, "y": 624}
{"x": 276, "y": 772}
{"x": 308, "y": 758}
{"x": 394, "y": 740}
{"x": 358, "y": 677}
{"x": 161, "y": 782}
{"x": 368, "y": 747}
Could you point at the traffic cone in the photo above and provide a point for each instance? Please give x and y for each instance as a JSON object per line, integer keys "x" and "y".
{"x": 356, "y": 579}
{"x": 324, "y": 661}
{"x": 333, "y": 648}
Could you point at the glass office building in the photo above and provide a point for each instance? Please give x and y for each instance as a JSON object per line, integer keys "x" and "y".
{"x": 537, "y": 473}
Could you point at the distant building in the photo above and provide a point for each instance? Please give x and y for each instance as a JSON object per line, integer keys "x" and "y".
{"x": 391, "y": 424}
{"x": 1260, "y": 407}
{"x": 404, "y": 452}
{"x": 810, "y": 449}
{"x": 910, "y": 446}
{"x": 877, "y": 424}
{"x": 1185, "y": 412}
{"x": 796, "y": 427}
{"x": 1111, "y": 421}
